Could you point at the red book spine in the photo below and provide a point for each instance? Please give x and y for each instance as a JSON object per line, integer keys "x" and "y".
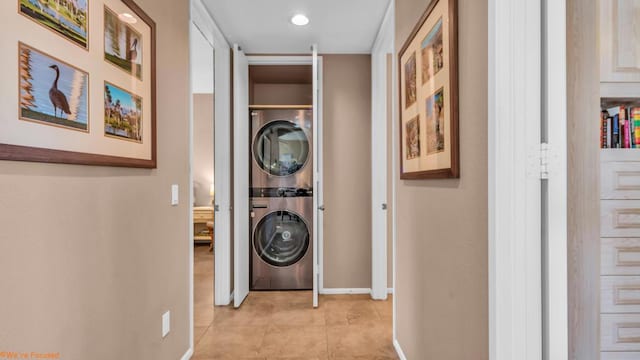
{"x": 627, "y": 128}
{"x": 603, "y": 130}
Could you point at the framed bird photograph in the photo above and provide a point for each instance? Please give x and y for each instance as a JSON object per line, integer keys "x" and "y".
{"x": 429, "y": 147}
{"x": 72, "y": 105}
{"x": 122, "y": 43}
{"x": 52, "y": 92}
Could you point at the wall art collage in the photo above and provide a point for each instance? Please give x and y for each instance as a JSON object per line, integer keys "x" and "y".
{"x": 86, "y": 84}
{"x": 429, "y": 96}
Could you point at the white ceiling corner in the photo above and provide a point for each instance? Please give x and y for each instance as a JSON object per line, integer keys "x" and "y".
{"x": 264, "y": 27}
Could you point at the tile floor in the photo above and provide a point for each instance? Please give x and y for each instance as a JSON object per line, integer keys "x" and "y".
{"x": 284, "y": 326}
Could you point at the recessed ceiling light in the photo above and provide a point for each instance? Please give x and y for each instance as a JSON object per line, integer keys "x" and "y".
{"x": 300, "y": 20}
{"x": 128, "y": 18}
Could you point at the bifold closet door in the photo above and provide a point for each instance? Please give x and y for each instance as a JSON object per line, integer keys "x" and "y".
{"x": 241, "y": 176}
{"x": 318, "y": 204}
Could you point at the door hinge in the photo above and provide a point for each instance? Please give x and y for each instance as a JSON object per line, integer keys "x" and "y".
{"x": 542, "y": 162}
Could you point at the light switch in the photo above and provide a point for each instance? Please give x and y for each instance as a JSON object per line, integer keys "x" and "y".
{"x": 166, "y": 323}
{"x": 174, "y": 194}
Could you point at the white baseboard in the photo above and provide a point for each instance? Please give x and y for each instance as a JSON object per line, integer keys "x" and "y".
{"x": 187, "y": 355}
{"x": 341, "y": 291}
{"x": 389, "y": 290}
{"x": 396, "y": 345}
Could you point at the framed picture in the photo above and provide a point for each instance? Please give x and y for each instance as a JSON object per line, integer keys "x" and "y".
{"x": 122, "y": 43}
{"x": 94, "y": 107}
{"x": 429, "y": 141}
{"x": 51, "y": 91}
{"x": 70, "y": 18}
{"x": 122, "y": 114}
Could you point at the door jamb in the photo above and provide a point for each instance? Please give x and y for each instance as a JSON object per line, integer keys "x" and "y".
{"x": 204, "y": 21}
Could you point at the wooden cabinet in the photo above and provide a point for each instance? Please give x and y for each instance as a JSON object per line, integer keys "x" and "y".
{"x": 620, "y": 40}
{"x": 620, "y": 254}
{"x": 201, "y": 216}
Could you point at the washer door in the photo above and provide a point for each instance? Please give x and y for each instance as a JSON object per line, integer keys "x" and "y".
{"x": 281, "y": 238}
{"x": 281, "y": 148}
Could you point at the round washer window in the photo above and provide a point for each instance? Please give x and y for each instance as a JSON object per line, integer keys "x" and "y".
{"x": 281, "y": 238}
{"x": 281, "y": 148}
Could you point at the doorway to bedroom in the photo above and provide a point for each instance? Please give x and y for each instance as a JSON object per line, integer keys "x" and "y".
{"x": 203, "y": 182}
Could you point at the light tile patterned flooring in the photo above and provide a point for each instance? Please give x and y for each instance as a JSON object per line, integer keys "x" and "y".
{"x": 284, "y": 326}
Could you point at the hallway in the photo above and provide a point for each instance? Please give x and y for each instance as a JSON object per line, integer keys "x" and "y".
{"x": 283, "y": 325}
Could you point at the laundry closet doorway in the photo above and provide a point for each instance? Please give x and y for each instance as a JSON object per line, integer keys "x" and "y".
{"x": 244, "y": 208}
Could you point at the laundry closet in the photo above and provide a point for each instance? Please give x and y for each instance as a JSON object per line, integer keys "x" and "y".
{"x": 281, "y": 177}
{"x": 277, "y": 173}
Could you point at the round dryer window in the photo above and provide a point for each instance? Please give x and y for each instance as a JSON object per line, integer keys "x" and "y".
{"x": 281, "y": 238}
{"x": 281, "y": 148}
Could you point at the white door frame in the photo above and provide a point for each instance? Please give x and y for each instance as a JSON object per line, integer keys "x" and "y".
{"x": 519, "y": 328}
{"x": 383, "y": 45}
{"x": 205, "y": 23}
{"x": 302, "y": 60}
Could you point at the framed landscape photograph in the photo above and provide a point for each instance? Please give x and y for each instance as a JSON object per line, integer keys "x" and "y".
{"x": 68, "y": 18}
{"x": 122, "y": 43}
{"x": 72, "y": 106}
{"x": 429, "y": 147}
{"x": 122, "y": 114}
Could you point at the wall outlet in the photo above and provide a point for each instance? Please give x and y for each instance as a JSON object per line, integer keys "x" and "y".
{"x": 166, "y": 323}
{"x": 174, "y": 194}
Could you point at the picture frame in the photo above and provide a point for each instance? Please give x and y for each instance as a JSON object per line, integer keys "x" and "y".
{"x": 428, "y": 88}
{"x": 57, "y": 129}
{"x": 70, "y": 21}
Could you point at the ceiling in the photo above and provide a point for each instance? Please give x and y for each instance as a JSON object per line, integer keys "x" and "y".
{"x": 264, "y": 26}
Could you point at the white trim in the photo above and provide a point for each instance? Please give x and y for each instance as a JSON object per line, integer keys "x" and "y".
{"x": 389, "y": 290}
{"x": 345, "y": 291}
{"x": 210, "y": 30}
{"x": 514, "y": 190}
{"x": 383, "y": 46}
{"x": 241, "y": 181}
{"x": 396, "y": 174}
{"x": 317, "y": 174}
{"x": 396, "y": 346}
{"x": 187, "y": 355}
{"x": 556, "y": 329}
{"x": 280, "y": 60}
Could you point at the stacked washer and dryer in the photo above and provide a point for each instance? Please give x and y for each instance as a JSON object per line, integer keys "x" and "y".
{"x": 281, "y": 199}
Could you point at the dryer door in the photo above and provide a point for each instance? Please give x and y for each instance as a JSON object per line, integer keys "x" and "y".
{"x": 281, "y": 148}
{"x": 281, "y": 238}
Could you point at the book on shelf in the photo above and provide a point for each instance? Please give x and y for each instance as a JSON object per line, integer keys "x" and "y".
{"x": 620, "y": 127}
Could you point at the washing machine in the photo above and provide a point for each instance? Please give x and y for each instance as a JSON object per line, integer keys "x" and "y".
{"x": 281, "y": 199}
{"x": 282, "y": 241}
{"x": 281, "y": 148}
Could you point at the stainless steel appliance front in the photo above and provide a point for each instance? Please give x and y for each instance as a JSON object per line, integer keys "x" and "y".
{"x": 282, "y": 243}
{"x": 281, "y": 147}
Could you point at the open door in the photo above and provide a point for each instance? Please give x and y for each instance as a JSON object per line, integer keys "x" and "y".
{"x": 241, "y": 176}
{"x": 318, "y": 204}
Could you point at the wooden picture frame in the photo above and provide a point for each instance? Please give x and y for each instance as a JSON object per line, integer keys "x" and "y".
{"x": 20, "y": 140}
{"x": 428, "y": 96}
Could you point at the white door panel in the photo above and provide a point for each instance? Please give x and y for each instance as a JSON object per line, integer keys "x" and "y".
{"x": 317, "y": 176}
{"x": 241, "y": 176}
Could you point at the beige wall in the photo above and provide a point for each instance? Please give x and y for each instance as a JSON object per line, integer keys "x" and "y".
{"x": 441, "y": 264}
{"x": 282, "y": 94}
{"x": 347, "y": 170}
{"x": 202, "y": 148}
{"x": 91, "y": 257}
